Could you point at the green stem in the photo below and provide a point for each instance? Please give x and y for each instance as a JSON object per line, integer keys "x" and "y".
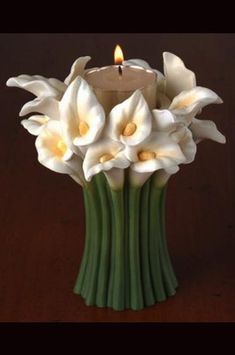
{"x": 154, "y": 233}
{"x": 92, "y": 270}
{"x": 112, "y": 266}
{"x": 118, "y": 302}
{"x": 165, "y": 254}
{"x": 82, "y": 272}
{"x": 101, "y": 298}
{"x": 127, "y": 266}
{"x": 136, "y": 296}
{"x": 149, "y": 298}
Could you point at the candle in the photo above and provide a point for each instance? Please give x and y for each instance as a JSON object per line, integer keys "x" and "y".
{"x": 113, "y": 84}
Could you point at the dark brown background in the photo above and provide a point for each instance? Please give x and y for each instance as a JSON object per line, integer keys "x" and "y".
{"x": 41, "y": 212}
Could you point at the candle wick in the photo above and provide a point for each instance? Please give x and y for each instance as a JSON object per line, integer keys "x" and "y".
{"x": 120, "y": 70}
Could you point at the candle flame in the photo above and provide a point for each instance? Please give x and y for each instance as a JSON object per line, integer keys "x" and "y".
{"x": 118, "y": 55}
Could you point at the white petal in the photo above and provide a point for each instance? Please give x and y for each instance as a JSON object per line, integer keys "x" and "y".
{"x": 78, "y": 68}
{"x": 133, "y": 110}
{"x": 168, "y": 153}
{"x": 188, "y": 103}
{"x": 164, "y": 121}
{"x": 204, "y": 129}
{"x": 38, "y": 85}
{"x": 79, "y": 104}
{"x": 47, "y": 144}
{"x": 48, "y": 106}
{"x": 34, "y": 124}
{"x": 92, "y": 164}
{"x": 184, "y": 138}
{"x": 178, "y": 77}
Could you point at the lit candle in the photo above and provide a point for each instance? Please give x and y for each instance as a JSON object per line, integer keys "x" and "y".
{"x": 113, "y": 84}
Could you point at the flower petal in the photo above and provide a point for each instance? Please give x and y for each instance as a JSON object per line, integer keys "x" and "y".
{"x": 168, "y": 153}
{"x": 81, "y": 114}
{"x": 204, "y": 129}
{"x": 52, "y": 151}
{"x": 48, "y": 106}
{"x": 190, "y": 102}
{"x": 184, "y": 138}
{"x": 92, "y": 164}
{"x": 38, "y": 85}
{"x": 34, "y": 124}
{"x": 164, "y": 121}
{"x": 78, "y": 68}
{"x": 133, "y": 111}
{"x": 178, "y": 77}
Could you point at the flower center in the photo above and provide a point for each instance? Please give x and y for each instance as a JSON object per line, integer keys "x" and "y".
{"x": 146, "y": 155}
{"x": 83, "y": 128}
{"x": 186, "y": 102}
{"x": 61, "y": 147}
{"x": 129, "y": 129}
{"x": 106, "y": 157}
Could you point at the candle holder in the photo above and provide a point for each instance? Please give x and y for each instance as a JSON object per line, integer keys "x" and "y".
{"x": 122, "y": 151}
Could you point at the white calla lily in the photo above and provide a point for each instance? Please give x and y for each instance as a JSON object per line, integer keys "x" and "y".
{"x": 165, "y": 121}
{"x": 47, "y": 90}
{"x": 183, "y": 136}
{"x": 77, "y": 69}
{"x": 54, "y": 154}
{"x": 106, "y": 155}
{"x": 48, "y": 106}
{"x": 38, "y": 85}
{"x": 35, "y": 124}
{"x": 131, "y": 121}
{"x": 159, "y": 151}
{"x": 188, "y": 103}
{"x": 204, "y": 129}
{"x": 81, "y": 115}
{"x": 178, "y": 77}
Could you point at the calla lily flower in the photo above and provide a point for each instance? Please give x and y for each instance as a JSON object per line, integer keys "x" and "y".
{"x": 178, "y": 77}
{"x": 165, "y": 121}
{"x": 48, "y": 91}
{"x": 81, "y": 115}
{"x": 108, "y": 156}
{"x": 35, "y": 124}
{"x": 159, "y": 151}
{"x": 131, "y": 121}
{"x": 188, "y": 103}
{"x": 205, "y": 129}
{"x": 54, "y": 154}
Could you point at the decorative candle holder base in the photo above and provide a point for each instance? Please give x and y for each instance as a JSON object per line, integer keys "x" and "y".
{"x": 125, "y": 263}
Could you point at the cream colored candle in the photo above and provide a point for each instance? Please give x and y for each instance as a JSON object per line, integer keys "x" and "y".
{"x": 113, "y": 84}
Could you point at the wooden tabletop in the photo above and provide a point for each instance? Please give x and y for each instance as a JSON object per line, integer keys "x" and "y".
{"x": 42, "y": 215}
